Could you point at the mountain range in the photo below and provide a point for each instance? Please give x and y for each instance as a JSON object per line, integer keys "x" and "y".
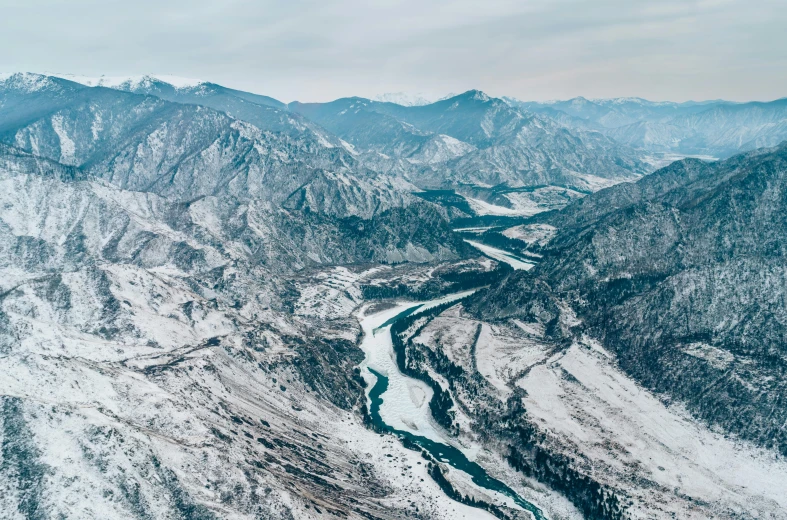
{"x": 217, "y": 305}
{"x": 710, "y": 128}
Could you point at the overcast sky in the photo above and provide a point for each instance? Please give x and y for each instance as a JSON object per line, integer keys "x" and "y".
{"x": 316, "y": 50}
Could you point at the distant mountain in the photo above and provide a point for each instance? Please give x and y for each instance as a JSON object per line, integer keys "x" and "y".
{"x": 263, "y": 112}
{"x": 712, "y": 128}
{"x": 491, "y": 143}
{"x": 473, "y": 117}
{"x": 26, "y": 97}
{"x": 725, "y": 129}
{"x": 617, "y": 112}
{"x": 172, "y": 88}
{"x": 130, "y": 82}
{"x": 186, "y": 152}
{"x": 720, "y": 131}
{"x": 358, "y": 122}
{"x": 466, "y": 139}
{"x": 145, "y": 143}
{"x": 406, "y": 99}
{"x": 541, "y": 153}
{"x": 654, "y": 136}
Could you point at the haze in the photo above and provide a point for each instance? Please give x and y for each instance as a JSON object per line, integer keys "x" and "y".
{"x": 316, "y": 51}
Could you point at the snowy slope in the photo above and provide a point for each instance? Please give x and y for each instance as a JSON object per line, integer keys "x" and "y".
{"x": 131, "y": 83}
{"x": 407, "y": 99}
{"x": 150, "y": 369}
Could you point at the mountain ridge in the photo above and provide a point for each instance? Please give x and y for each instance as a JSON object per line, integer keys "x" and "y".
{"x": 688, "y": 240}
{"x": 212, "y": 306}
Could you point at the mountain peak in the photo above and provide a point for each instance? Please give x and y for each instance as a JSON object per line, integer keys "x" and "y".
{"x": 132, "y": 82}
{"x": 25, "y": 81}
{"x": 631, "y": 101}
{"x": 407, "y": 99}
{"x": 476, "y": 95}
{"x": 579, "y": 101}
{"x": 470, "y": 95}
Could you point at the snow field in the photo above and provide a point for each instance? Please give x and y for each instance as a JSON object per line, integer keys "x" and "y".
{"x": 501, "y": 256}
{"x": 623, "y": 428}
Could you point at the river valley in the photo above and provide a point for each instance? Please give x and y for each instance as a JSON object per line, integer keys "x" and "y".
{"x": 400, "y": 405}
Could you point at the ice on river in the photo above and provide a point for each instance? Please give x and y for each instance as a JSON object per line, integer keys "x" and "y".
{"x": 406, "y": 402}
{"x": 502, "y": 256}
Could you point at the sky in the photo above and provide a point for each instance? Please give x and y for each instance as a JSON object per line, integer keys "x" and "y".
{"x": 319, "y": 50}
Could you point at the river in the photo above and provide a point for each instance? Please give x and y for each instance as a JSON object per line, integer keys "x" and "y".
{"x": 400, "y": 404}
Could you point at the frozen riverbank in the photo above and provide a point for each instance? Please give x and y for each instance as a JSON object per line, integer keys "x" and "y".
{"x": 400, "y": 404}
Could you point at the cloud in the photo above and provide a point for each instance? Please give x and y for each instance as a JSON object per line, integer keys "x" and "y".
{"x": 318, "y": 50}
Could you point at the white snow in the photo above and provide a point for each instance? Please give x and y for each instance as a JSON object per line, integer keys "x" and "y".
{"x": 67, "y": 146}
{"x": 620, "y": 426}
{"x": 717, "y": 357}
{"x": 528, "y": 203}
{"x": 523, "y": 205}
{"x": 531, "y": 233}
{"x": 452, "y": 333}
{"x": 501, "y": 256}
{"x": 350, "y": 148}
{"x": 323, "y": 141}
{"x": 97, "y": 125}
{"x": 480, "y": 96}
{"x": 502, "y": 354}
{"x": 407, "y": 99}
{"x": 406, "y": 470}
{"x": 129, "y": 82}
{"x": 454, "y": 145}
{"x": 26, "y": 81}
{"x": 595, "y": 183}
{"x": 334, "y": 295}
{"x": 406, "y": 402}
{"x": 482, "y": 207}
{"x": 477, "y": 230}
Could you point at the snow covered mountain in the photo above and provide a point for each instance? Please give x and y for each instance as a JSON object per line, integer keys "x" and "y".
{"x": 131, "y": 83}
{"x": 465, "y": 140}
{"x": 187, "y": 152}
{"x": 711, "y": 128}
{"x": 406, "y": 99}
{"x": 491, "y": 143}
{"x": 171, "y": 378}
{"x": 647, "y": 341}
{"x": 700, "y": 305}
{"x": 153, "y": 367}
{"x": 617, "y": 112}
{"x": 213, "y": 305}
{"x": 263, "y": 112}
{"x": 165, "y": 86}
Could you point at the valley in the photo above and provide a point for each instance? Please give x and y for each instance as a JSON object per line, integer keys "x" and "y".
{"x": 217, "y": 305}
